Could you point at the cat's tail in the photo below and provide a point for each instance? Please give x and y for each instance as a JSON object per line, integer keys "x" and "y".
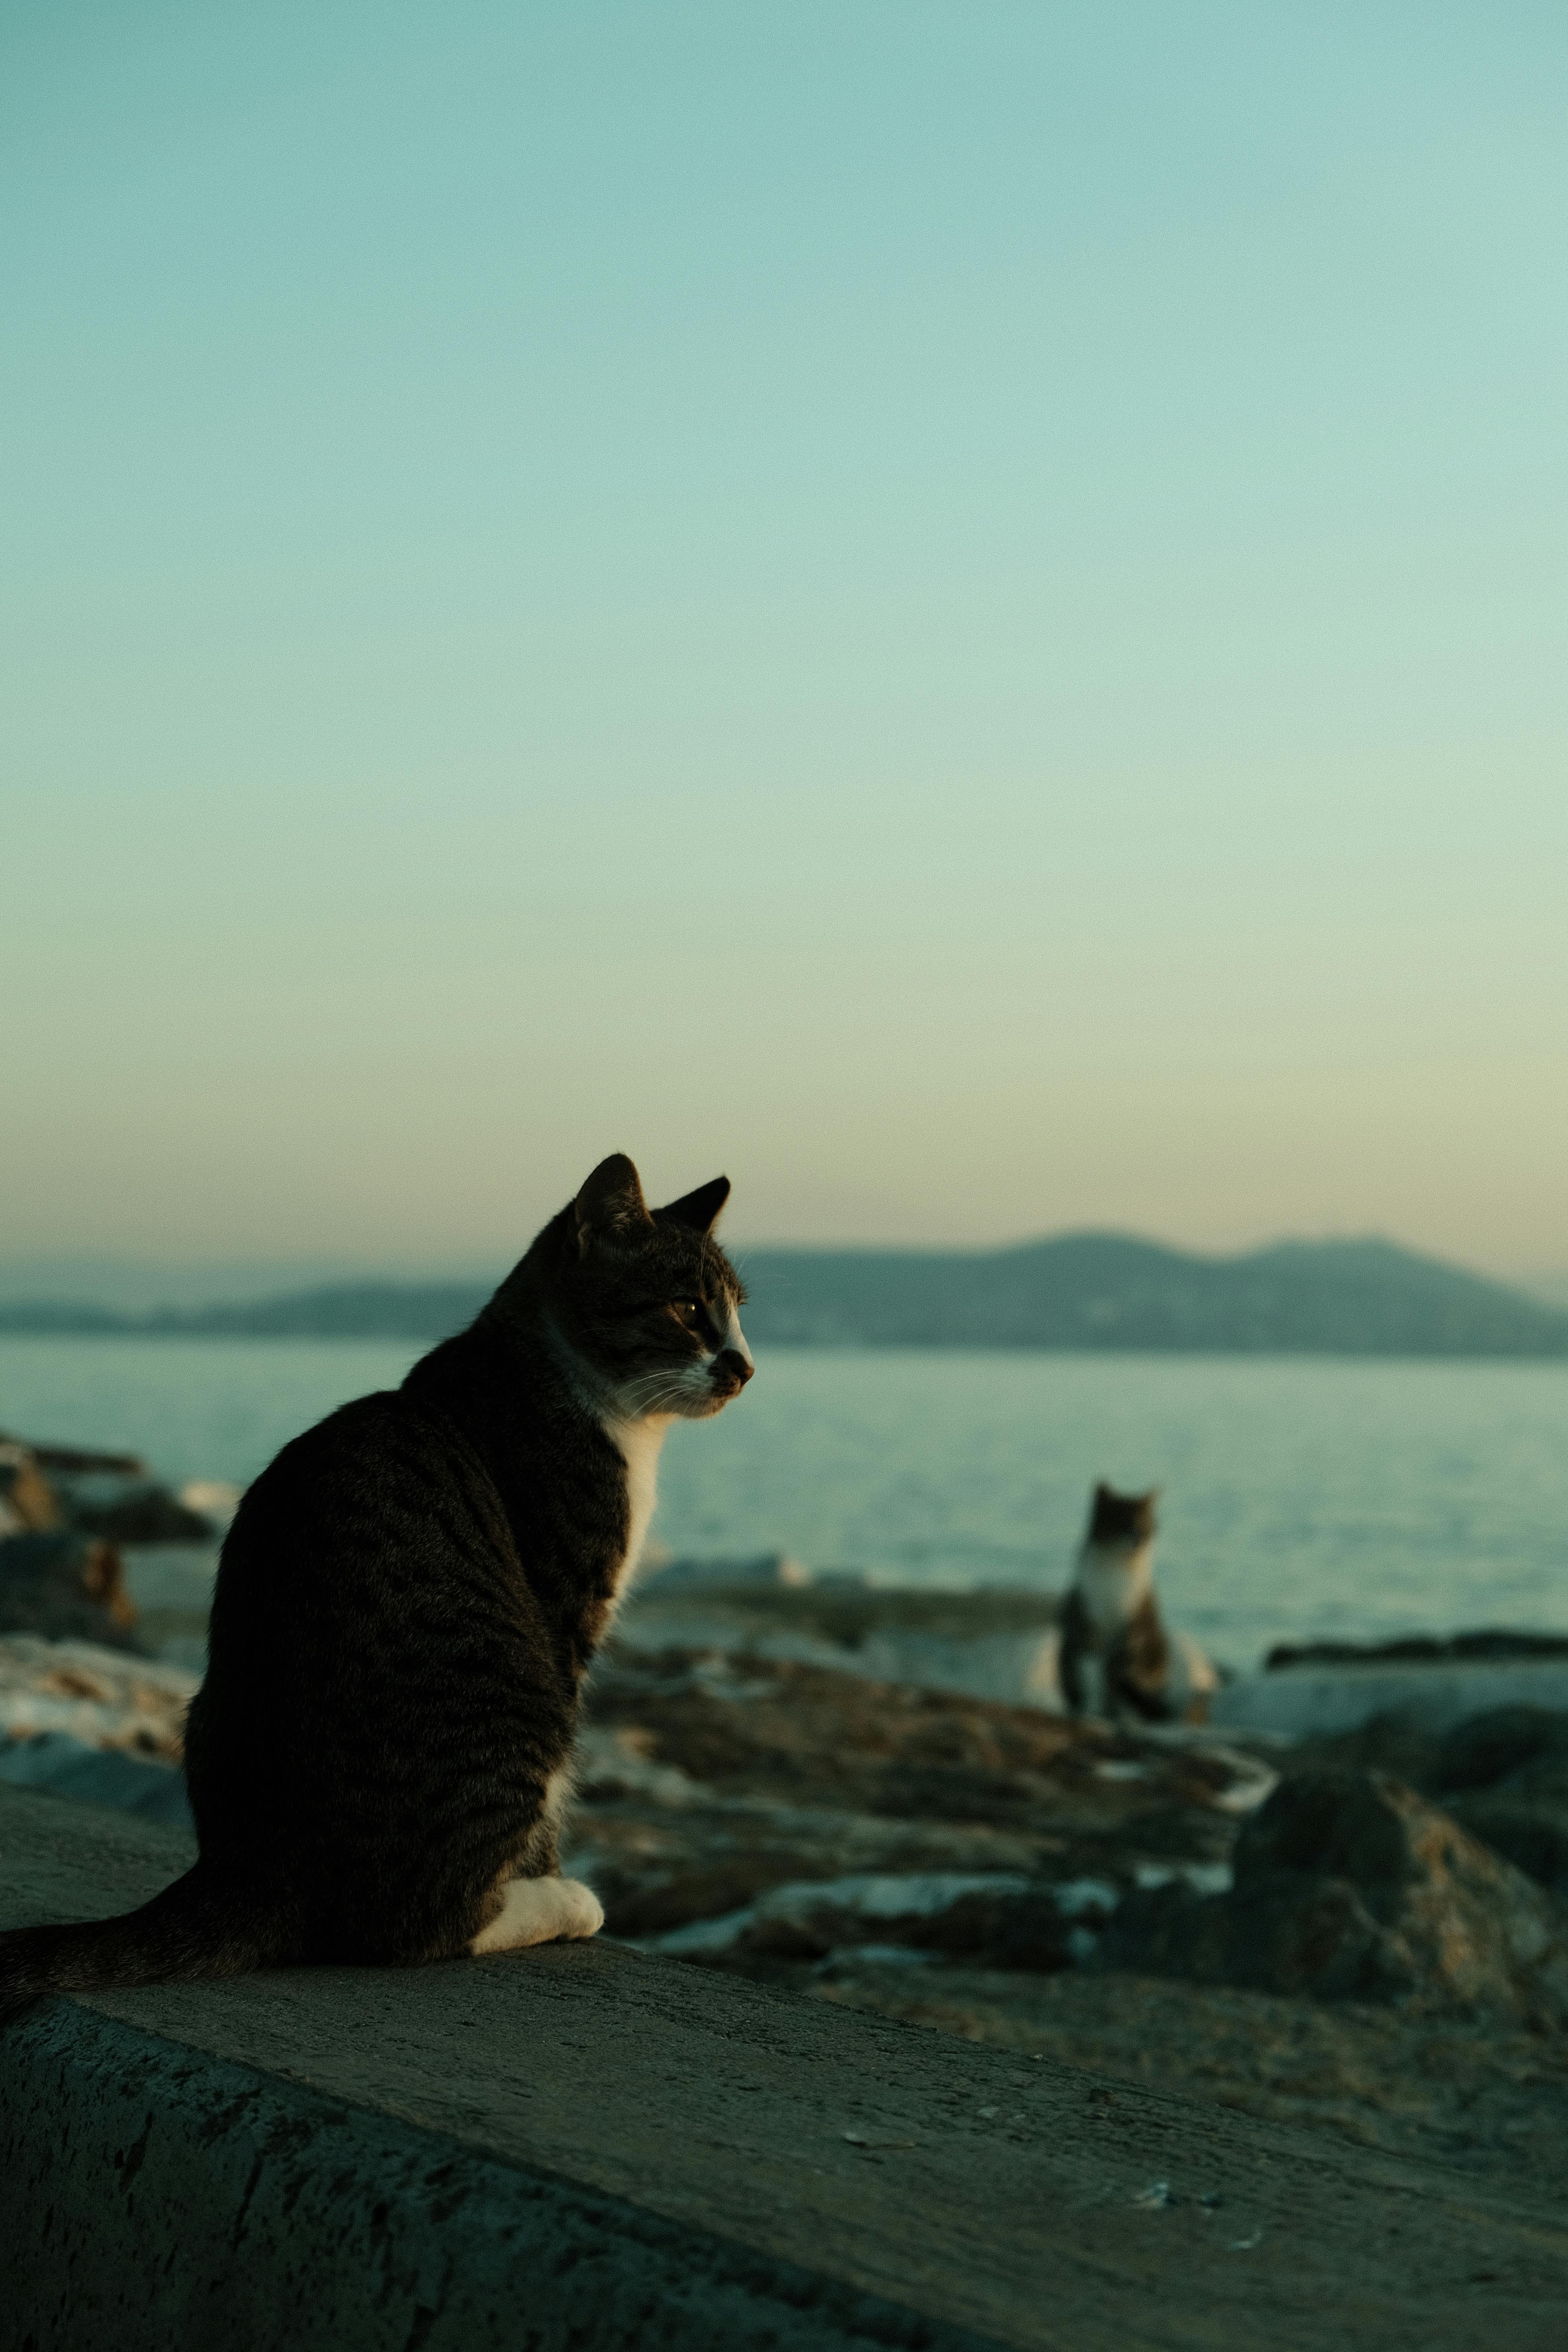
{"x": 205, "y": 1925}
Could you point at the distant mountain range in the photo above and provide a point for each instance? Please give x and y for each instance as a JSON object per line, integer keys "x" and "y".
{"x": 1098, "y": 1291}
{"x": 1110, "y": 1291}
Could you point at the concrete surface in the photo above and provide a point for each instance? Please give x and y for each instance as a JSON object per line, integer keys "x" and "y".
{"x": 586, "y": 2147}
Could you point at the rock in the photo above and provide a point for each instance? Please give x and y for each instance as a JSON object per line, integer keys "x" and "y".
{"x": 64, "y": 1767}
{"x": 1350, "y": 1887}
{"x": 28, "y": 1504}
{"x": 1532, "y": 1837}
{"x": 792, "y": 1813}
{"x": 1518, "y": 1749}
{"x": 98, "y": 1697}
{"x": 136, "y": 1512}
{"x": 84, "y": 1722}
{"x": 106, "y": 1495}
{"x": 1504, "y": 1777}
{"x": 65, "y": 1586}
{"x": 1395, "y": 1741}
{"x": 808, "y": 1736}
{"x": 1008, "y": 1919}
{"x": 76, "y": 1461}
{"x": 1484, "y": 1647}
{"x": 1319, "y": 1703}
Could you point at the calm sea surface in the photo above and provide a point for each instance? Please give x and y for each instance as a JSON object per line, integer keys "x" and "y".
{"x": 1300, "y": 1497}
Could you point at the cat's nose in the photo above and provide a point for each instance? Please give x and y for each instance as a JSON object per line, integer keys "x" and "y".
{"x": 731, "y": 1360}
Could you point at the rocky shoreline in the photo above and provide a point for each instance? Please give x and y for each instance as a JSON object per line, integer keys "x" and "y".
{"x": 1142, "y": 1906}
{"x": 1366, "y": 1930}
{"x": 1289, "y": 1929}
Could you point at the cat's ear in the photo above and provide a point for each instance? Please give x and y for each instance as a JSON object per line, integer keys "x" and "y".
{"x": 610, "y": 1202}
{"x": 698, "y": 1210}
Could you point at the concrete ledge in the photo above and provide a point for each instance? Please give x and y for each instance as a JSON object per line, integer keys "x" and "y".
{"x": 188, "y": 2203}
{"x": 588, "y": 2148}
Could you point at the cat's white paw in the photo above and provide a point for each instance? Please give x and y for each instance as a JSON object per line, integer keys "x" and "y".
{"x": 584, "y": 1910}
{"x": 539, "y": 1911}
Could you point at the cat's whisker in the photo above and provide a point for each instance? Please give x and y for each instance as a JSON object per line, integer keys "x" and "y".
{"x": 649, "y": 1390}
{"x": 668, "y": 1394}
{"x": 641, "y": 1396}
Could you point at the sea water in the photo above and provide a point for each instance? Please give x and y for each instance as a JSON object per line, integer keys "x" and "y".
{"x": 1300, "y": 1498}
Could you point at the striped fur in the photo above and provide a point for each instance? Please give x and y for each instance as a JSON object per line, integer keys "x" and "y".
{"x": 406, "y": 1604}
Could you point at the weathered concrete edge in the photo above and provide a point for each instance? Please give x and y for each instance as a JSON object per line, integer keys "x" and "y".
{"x": 151, "y": 2195}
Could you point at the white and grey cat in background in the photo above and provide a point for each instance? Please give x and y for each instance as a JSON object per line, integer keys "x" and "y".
{"x": 1117, "y": 1658}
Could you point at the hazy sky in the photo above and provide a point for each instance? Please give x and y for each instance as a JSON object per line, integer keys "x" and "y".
{"x": 957, "y": 610}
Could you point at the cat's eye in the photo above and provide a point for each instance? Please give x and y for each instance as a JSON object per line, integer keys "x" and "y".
{"x": 689, "y": 1311}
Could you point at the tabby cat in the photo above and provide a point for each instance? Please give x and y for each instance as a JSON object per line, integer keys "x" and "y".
{"x": 406, "y": 1604}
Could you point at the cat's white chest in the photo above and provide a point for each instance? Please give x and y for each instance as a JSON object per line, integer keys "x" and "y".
{"x": 639, "y": 1442}
{"x": 1112, "y": 1584}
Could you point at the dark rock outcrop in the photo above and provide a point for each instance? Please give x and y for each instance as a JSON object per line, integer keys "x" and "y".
{"x": 1490, "y": 1645}
{"x": 1503, "y": 1775}
{"x": 107, "y": 1494}
{"x": 1349, "y": 1886}
{"x": 142, "y": 1514}
{"x": 1517, "y": 1749}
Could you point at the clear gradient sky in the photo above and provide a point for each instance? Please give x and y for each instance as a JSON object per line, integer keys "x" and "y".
{"x": 958, "y": 610}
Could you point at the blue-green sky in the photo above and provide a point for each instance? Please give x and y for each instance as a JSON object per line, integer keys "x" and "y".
{"x": 958, "y": 610}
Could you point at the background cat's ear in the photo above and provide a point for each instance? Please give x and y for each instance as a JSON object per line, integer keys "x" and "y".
{"x": 611, "y": 1201}
{"x": 700, "y": 1210}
